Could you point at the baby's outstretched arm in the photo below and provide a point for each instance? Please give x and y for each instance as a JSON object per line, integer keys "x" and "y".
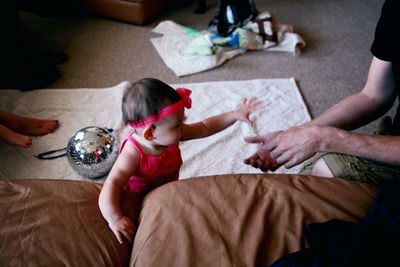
{"x": 110, "y": 195}
{"x": 220, "y": 122}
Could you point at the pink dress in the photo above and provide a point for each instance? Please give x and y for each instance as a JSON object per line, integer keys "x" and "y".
{"x": 153, "y": 171}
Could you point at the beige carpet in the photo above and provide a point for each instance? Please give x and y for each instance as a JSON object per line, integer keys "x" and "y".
{"x": 222, "y": 153}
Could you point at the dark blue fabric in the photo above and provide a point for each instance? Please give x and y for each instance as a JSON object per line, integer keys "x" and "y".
{"x": 371, "y": 242}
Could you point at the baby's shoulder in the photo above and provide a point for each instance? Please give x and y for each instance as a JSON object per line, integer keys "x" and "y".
{"x": 129, "y": 147}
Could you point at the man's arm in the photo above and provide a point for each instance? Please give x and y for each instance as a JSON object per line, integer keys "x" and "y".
{"x": 328, "y": 131}
{"x": 372, "y": 102}
{"x": 382, "y": 148}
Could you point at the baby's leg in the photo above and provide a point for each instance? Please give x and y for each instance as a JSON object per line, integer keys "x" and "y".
{"x": 14, "y": 138}
{"x": 26, "y": 125}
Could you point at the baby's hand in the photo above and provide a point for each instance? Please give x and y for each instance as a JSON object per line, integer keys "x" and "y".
{"x": 247, "y": 107}
{"x": 122, "y": 226}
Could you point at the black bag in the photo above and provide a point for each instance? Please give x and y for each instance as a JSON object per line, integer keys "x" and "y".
{"x": 232, "y": 14}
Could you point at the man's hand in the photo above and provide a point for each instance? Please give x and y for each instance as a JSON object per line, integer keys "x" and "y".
{"x": 122, "y": 226}
{"x": 295, "y": 145}
{"x": 289, "y": 148}
{"x": 262, "y": 158}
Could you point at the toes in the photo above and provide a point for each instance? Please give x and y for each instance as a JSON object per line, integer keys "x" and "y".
{"x": 21, "y": 141}
{"x": 44, "y": 131}
{"x": 47, "y": 127}
{"x": 27, "y": 143}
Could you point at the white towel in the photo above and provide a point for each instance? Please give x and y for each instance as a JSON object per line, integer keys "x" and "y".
{"x": 221, "y": 153}
{"x": 173, "y": 44}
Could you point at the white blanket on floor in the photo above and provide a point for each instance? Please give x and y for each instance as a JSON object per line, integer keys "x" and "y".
{"x": 219, "y": 154}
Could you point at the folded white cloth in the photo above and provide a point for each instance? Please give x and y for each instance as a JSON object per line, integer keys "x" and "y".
{"x": 172, "y": 47}
{"x": 78, "y": 108}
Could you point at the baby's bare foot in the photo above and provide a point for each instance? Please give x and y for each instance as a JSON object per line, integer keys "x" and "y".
{"x": 14, "y": 138}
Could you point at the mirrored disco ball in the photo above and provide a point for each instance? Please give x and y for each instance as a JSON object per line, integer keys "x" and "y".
{"x": 92, "y": 151}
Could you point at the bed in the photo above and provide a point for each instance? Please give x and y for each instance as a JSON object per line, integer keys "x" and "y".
{"x": 221, "y": 220}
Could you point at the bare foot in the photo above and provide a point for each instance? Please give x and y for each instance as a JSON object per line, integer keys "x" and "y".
{"x": 26, "y": 125}
{"x": 36, "y": 127}
{"x": 14, "y": 138}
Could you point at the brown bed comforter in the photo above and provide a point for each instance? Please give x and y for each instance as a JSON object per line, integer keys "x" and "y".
{"x": 225, "y": 220}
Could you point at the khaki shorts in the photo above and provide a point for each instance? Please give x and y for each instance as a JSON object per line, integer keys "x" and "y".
{"x": 353, "y": 168}
{"x": 358, "y": 169}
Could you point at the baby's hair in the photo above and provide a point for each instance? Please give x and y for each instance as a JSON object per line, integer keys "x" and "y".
{"x": 146, "y": 97}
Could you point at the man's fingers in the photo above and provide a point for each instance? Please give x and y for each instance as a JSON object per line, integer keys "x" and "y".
{"x": 281, "y": 159}
{"x": 275, "y": 153}
{"x": 287, "y": 158}
{"x": 295, "y": 160}
{"x": 270, "y": 145}
{"x": 254, "y": 139}
{"x": 290, "y": 164}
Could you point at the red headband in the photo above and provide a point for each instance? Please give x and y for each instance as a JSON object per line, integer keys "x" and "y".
{"x": 185, "y": 102}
